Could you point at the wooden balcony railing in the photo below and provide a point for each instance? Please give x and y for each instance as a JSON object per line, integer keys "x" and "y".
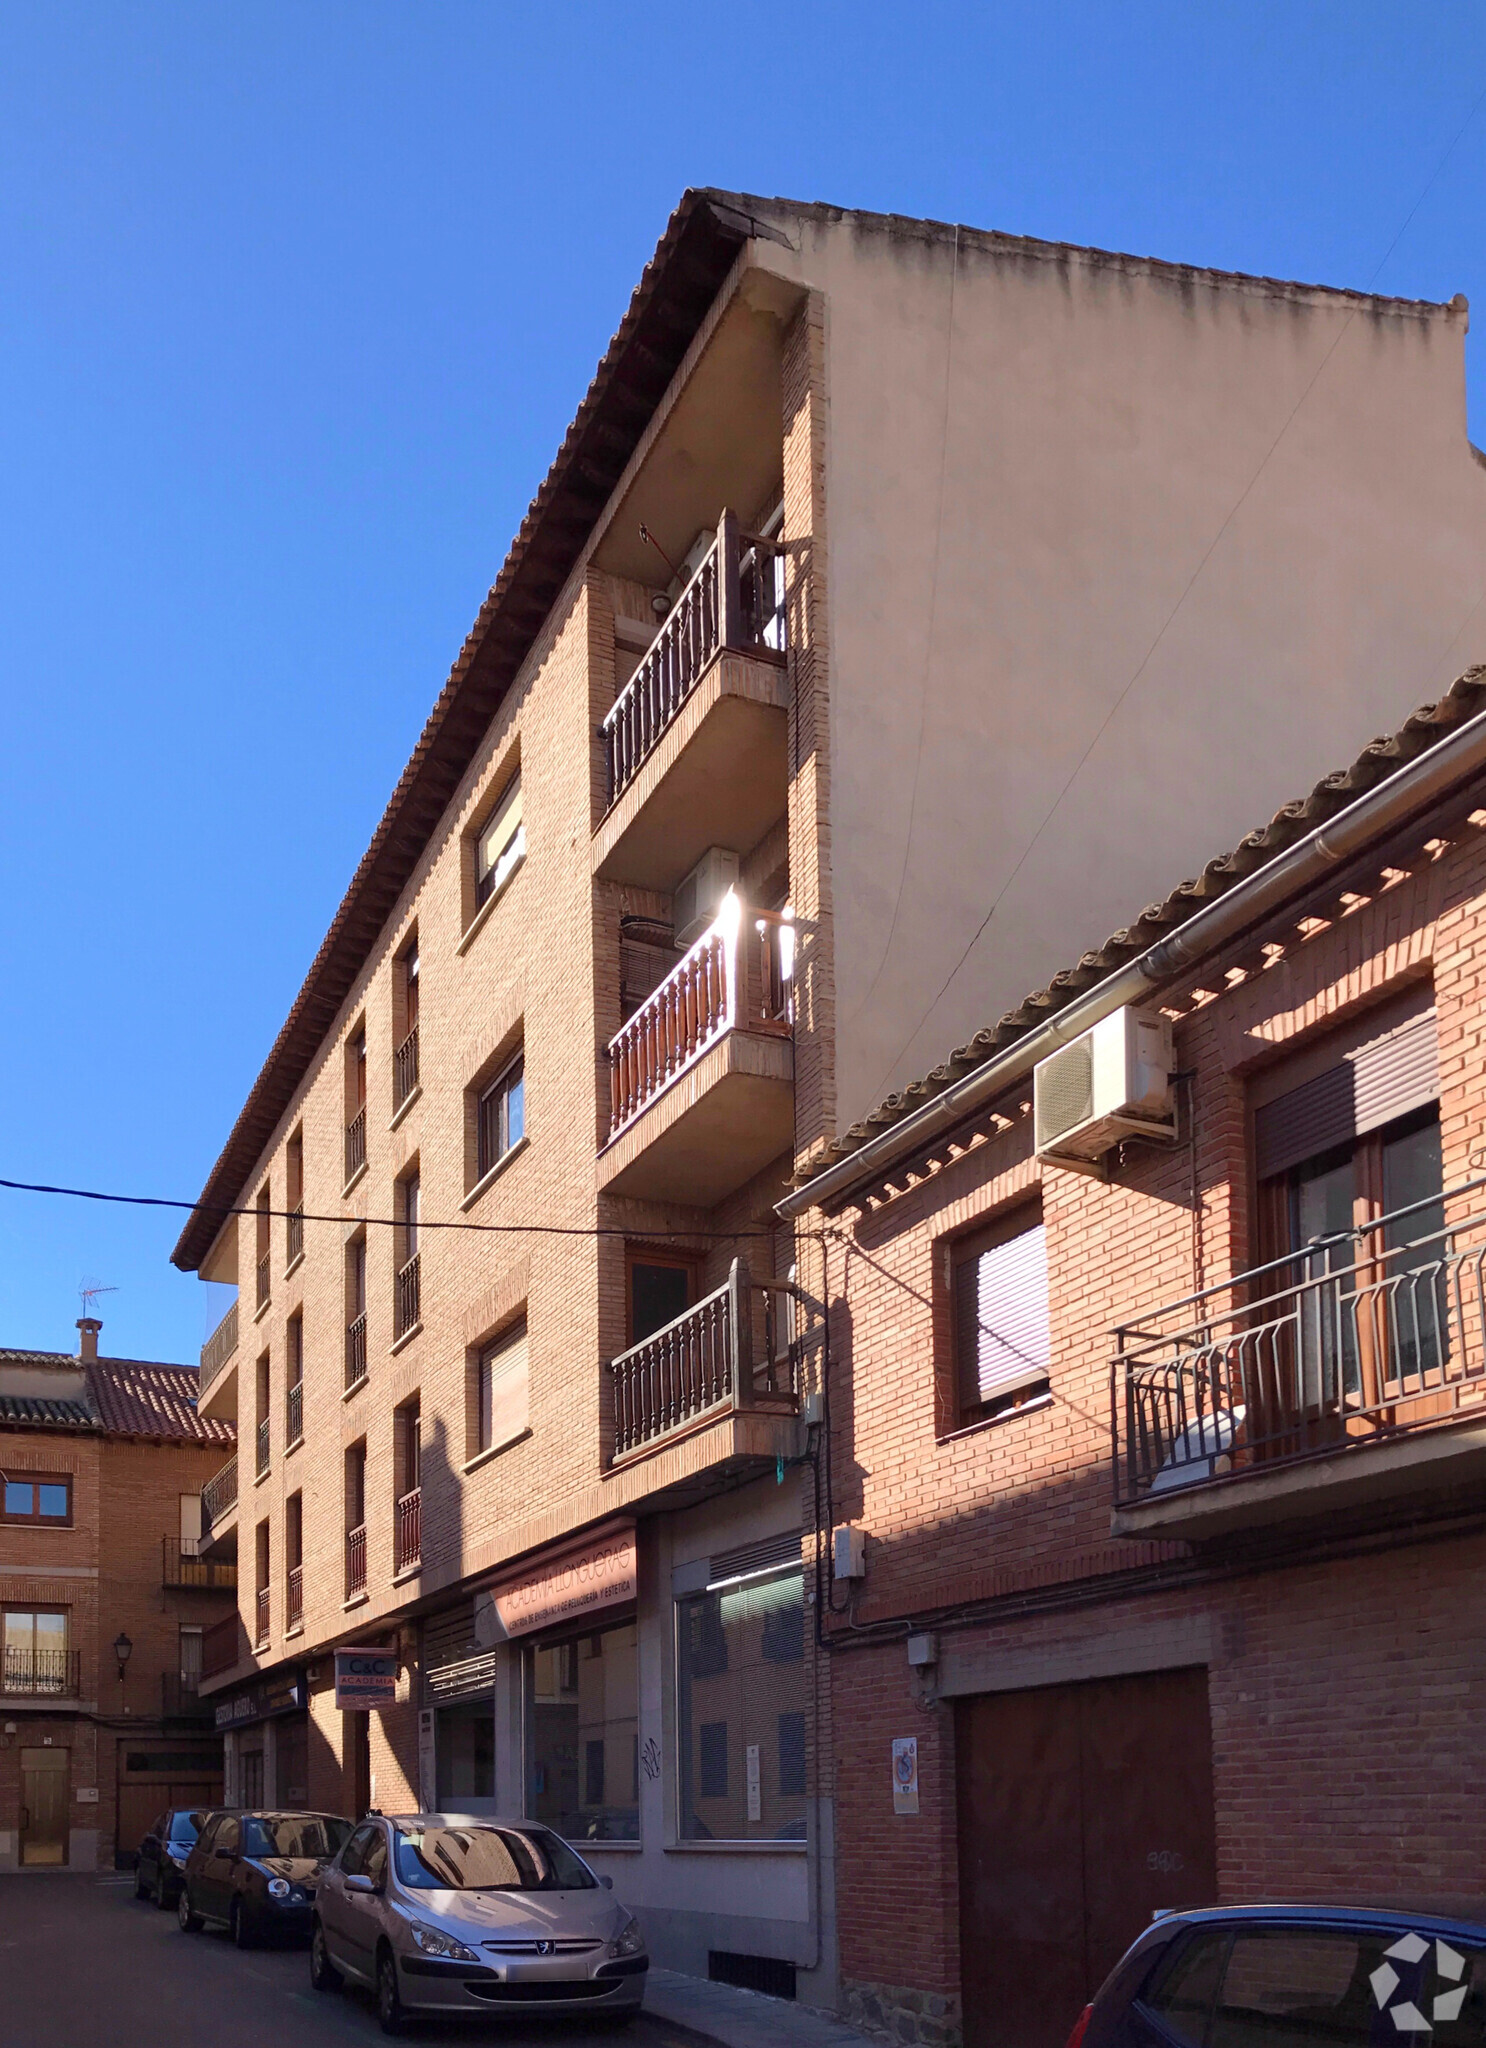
{"x": 356, "y": 1144}
{"x": 735, "y": 599}
{"x": 182, "y": 1566}
{"x": 736, "y": 976}
{"x": 40, "y": 1673}
{"x": 294, "y": 1414}
{"x": 691, "y": 1368}
{"x": 406, "y": 1305}
{"x": 294, "y": 1234}
{"x": 356, "y": 1351}
{"x": 216, "y": 1351}
{"x": 263, "y": 1617}
{"x": 356, "y": 1560}
{"x": 219, "y": 1495}
{"x": 405, "y": 1069}
{"x": 1360, "y": 1338}
{"x": 294, "y": 1597}
{"x": 263, "y": 1280}
{"x": 223, "y": 1645}
{"x": 410, "y": 1529}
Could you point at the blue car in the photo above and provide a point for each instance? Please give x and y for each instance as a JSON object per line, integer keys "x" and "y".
{"x": 1294, "y": 1977}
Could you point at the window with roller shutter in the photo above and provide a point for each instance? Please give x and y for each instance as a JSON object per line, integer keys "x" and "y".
{"x": 999, "y": 1294}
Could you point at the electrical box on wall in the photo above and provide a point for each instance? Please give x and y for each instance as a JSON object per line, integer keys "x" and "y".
{"x": 848, "y": 1552}
{"x": 699, "y": 897}
{"x": 1110, "y": 1083}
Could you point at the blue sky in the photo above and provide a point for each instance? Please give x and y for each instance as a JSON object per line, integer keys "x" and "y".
{"x": 295, "y": 304}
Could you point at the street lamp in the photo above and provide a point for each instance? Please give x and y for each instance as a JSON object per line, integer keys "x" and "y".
{"x": 123, "y": 1651}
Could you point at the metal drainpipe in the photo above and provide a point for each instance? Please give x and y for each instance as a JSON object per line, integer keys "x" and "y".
{"x": 1412, "y": 788}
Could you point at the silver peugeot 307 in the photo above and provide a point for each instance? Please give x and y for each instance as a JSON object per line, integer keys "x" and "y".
{"x": 442, "y": 1912}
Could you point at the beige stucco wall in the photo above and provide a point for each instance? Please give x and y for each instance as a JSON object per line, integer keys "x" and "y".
{"x": 1122, "y": 558}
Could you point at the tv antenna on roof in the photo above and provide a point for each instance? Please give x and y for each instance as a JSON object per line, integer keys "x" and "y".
{"x": 88, "y": 1293}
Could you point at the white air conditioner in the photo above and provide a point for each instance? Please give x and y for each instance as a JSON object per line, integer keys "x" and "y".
{"x": 1111, "y": 1082}
{"x": 699, "y": 898}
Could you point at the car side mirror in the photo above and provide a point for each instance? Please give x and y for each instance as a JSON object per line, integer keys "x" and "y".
{"x": 607, "y": 1883}
{"x": 358, "y": 1881}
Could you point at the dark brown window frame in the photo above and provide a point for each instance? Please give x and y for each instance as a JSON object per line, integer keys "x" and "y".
{"x": 36, "y": 1480}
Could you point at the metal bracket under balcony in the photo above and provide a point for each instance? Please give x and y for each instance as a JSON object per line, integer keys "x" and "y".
{"x": 1338, "y": 1377}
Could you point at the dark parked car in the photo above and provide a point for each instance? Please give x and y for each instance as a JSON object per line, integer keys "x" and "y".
{"x": 1293, "y": 1976}
{"x": 256, "y": 1873}
{"x": 163, "y": 1853}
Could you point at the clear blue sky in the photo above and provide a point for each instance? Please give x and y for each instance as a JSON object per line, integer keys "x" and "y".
{"x": 295, "y": 305}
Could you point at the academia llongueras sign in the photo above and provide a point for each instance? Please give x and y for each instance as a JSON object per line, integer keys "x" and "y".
{"x": 592, "y": 1576}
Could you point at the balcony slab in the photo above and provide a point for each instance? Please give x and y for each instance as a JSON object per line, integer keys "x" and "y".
{"x": 713, "y": 1453}
{"x": 718, "y": 1124}
{"x": 718, "y": 776}
{"x": 1258, "y": 1497}
{"x": 220, "y": 1399}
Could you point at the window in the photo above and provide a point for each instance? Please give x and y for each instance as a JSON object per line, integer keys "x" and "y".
{"x": 355, "y": 1509}
{"x": 741, "y": 1705}
{"x": 405, "y": 1025}
{"x": 262, "y": 1389}
{"x": 294, "y": 1560}
{"x": 500, "y": 843}
{"x": 262, "y": 1580}
{"x": 407, "y": 1306}
{"x": 263, "y": 1225}
{"x": 661, "y": 1286}
{"x": 39, "y": 1499}
{"x": 407, "y": 1486}
{"x": 190, "y": 1655}
{"x": 294, "y": 1198}
{"x": 1002, "y": 1346}
{"x": 356, "y": 1311}
{"x": 501, "y": 1117}
{"x": 501, "y": 1391}
{"x": 35, "y": 1659}
{"x": 355, "y": 1103}
{"x": 584, "y": 1714}
{"x": 294, "y": 1380}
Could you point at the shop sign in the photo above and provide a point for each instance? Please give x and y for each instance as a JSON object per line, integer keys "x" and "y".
{"x": 279, "y": 1696}
{"x": 365, "y": 1678}
{"x": 579, "y": 1582}
{"x": 231, "y": 1712}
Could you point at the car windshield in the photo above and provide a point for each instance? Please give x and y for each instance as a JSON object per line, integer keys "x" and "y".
{"x": 489, "y": 1859}
{"x": 185, "y": 1827}
{"x": 294, "y": 1834}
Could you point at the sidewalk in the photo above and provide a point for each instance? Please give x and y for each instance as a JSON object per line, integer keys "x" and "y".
{"x": 742, "y": 2019}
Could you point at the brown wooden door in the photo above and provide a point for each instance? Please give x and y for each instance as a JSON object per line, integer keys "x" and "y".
{"x": 1083, "y": 1809}
{"x": 45, "y": 1791}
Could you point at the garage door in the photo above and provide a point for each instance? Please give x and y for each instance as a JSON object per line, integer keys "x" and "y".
{"x": 1082, "y": 1810}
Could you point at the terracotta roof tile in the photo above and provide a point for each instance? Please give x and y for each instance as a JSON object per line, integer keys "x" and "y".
{"x": 33, "y": 1411}
{"x": 135, "y": 1398}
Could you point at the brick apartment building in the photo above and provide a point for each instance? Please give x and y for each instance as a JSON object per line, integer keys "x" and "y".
{"x": 1168, "y": 1447}
{"x": 101, "y": 1466}
{"x": 846, "y": 559}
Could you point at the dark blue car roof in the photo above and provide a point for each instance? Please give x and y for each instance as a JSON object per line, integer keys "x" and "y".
{"x": 1467, "y": 1930}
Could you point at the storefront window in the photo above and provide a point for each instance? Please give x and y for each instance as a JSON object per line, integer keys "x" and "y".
{"x": 740, "y": 1699}
{"x": 584, "y": 1701}
{"x": 465, "y": 1744}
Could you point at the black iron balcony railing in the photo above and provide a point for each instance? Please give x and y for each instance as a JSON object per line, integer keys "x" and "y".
{"x": 40, "y": 1673}
{"x": 180, "y": 1697}
{"x": 182, "y": 1566}
{"x": 356, "y": 1560}
{"x": 356, "y": 1144}
{"x": 1361, "y": 1338}
{"x": 407, "y": 1298}
{"x": 735, "y": 599}
{"x": 294, "y": 1414}
{"x": 405, "y": 1069}
{"x": 263, "y": 1617}
{"x": 410, "y": 1529}
{"x": 216, "y": 1351}
{"x": 219, "y": 1495}
{"x": 294, "y": 1234}
{"x": 356, "y": 1351}
{"x": 294, "y": 1597}
{"x": 263, "y": 1280}
{"x": 690, "y": 1369}
{"x": 262, "y": 1465}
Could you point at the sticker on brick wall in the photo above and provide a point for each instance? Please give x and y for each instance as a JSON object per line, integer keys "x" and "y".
{"x": 905, "y": 1774}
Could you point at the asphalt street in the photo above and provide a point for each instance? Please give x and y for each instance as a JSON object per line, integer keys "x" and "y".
{"x": 83, "y": 1964}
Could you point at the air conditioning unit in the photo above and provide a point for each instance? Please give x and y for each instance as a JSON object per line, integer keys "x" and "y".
{"x": 699, "y": 898}
{"x": 1112, "y": 1082}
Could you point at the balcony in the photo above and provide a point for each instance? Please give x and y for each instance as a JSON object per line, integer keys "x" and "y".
{"x": 39, "y": 1674}
{"x": 700, "y": 1370}
{"x": 219, "y": 1502}
{"x": 405, "y": 1306}
{"x": 409, "y": 1538}
{"x": 184, "y": 1569}
{"x": 224, "y": 1646}
{"x": 180, "y": 1700}
{"x": 356, "y": 1351}
{"x": 216, "y": 1388}
{"x": 263, "y": 1280}
{"x": 697, "y": 742}
{"x": 263, "y": 1449}
{"x": 355, "y": 1145}
{"x": 294, "y": 1237}
{"x": 1350, "y": 1374}
{"x": 294, "y": 1415}
{"x": 263, "y": 1604}
{"x": 405, "y": 1069}
{"x": 702, "y": 1076}
{"x": 356, "y": 1561}
{"x": 294, "y": 1597}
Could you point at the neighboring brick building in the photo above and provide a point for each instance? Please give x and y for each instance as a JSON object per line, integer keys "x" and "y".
{"x": 101, "y": 1466}
{"x": 516, "y": 1405}
{"x": 1234, "y": 1649}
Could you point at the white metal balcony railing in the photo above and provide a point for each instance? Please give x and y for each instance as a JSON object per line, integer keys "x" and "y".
{"x": 738, "y": 975}
{"x": 703, "y": 1362}
{"x": 217, "y": 1350}
{"x": 1358, "y": 1339}
{"x": 219, "y": 1495}
{"x": 40, "y": 1673}
{"x": 735, "y": 599}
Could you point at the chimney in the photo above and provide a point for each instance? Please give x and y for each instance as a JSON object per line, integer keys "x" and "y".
{"x": 87, "y": 1349}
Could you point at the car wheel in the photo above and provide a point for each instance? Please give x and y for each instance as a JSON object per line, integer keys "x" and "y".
{"x": 324, "y": 1976}
{"x": 240, "y": 1927}
{"x": 189, "y": 1922}
{"x": 390, "y": 2009}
